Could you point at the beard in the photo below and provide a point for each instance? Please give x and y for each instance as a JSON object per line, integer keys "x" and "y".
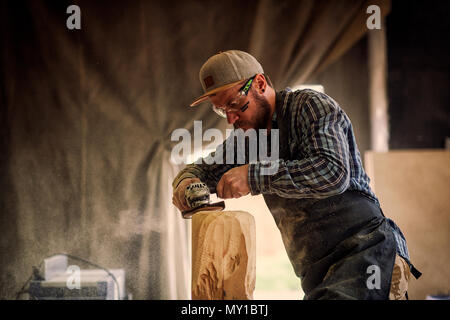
{"x": 261, "y": 120}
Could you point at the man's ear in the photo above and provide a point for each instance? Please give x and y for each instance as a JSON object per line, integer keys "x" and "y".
{"x": 260, "y": 83}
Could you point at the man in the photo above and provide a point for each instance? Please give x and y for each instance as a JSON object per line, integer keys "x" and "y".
{"x": 336, "y": 236}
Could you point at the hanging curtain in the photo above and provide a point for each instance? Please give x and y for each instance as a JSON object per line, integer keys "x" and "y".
{"x": 87, "y": 116}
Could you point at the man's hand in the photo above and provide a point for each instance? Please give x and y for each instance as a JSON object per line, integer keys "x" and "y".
{"x": 178, "y": 198}
{"x": 234, "y": 183}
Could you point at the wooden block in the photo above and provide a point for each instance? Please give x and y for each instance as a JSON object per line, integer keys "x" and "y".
{"x": 223, "y": 255}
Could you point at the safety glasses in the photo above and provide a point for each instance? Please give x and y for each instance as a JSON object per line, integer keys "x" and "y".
{"x": 237, "y": 104}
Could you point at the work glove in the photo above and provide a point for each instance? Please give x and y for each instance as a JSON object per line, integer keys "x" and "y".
{"x": 178, "y": 198}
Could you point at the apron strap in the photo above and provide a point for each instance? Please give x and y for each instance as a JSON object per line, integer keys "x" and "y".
{"x": 416, "y": 273}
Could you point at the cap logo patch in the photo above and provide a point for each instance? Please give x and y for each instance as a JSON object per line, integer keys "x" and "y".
{"x": 209, "y": 81}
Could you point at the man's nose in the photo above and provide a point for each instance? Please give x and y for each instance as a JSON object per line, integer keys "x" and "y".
{"x": 232, "y": 117}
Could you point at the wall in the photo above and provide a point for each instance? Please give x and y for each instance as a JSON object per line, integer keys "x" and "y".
{"x": 413, "y": 190}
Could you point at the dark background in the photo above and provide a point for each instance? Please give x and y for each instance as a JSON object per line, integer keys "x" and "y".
{"x": 418, "y": 49}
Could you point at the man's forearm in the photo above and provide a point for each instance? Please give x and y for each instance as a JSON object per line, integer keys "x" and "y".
{"x": 309, "y": 178}
{"x": 209, "y": 170}
{"x": 207, "y": 173}
{"x": 190, "y": 171}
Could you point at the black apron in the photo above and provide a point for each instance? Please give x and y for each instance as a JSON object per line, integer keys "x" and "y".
{"x": 332, "y": 243}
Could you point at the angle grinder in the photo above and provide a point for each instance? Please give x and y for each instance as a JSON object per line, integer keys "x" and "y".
{"x": 197, "y": 198}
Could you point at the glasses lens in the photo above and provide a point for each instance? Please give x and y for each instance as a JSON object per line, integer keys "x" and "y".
{"x": 220, "y": 112}
{"x": 234, "y": 105}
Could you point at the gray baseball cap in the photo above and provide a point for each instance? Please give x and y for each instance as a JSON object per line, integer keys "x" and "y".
{"x": 224, "y": 70}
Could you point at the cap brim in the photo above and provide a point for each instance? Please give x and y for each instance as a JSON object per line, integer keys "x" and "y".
{"x": 214, "y": 91}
